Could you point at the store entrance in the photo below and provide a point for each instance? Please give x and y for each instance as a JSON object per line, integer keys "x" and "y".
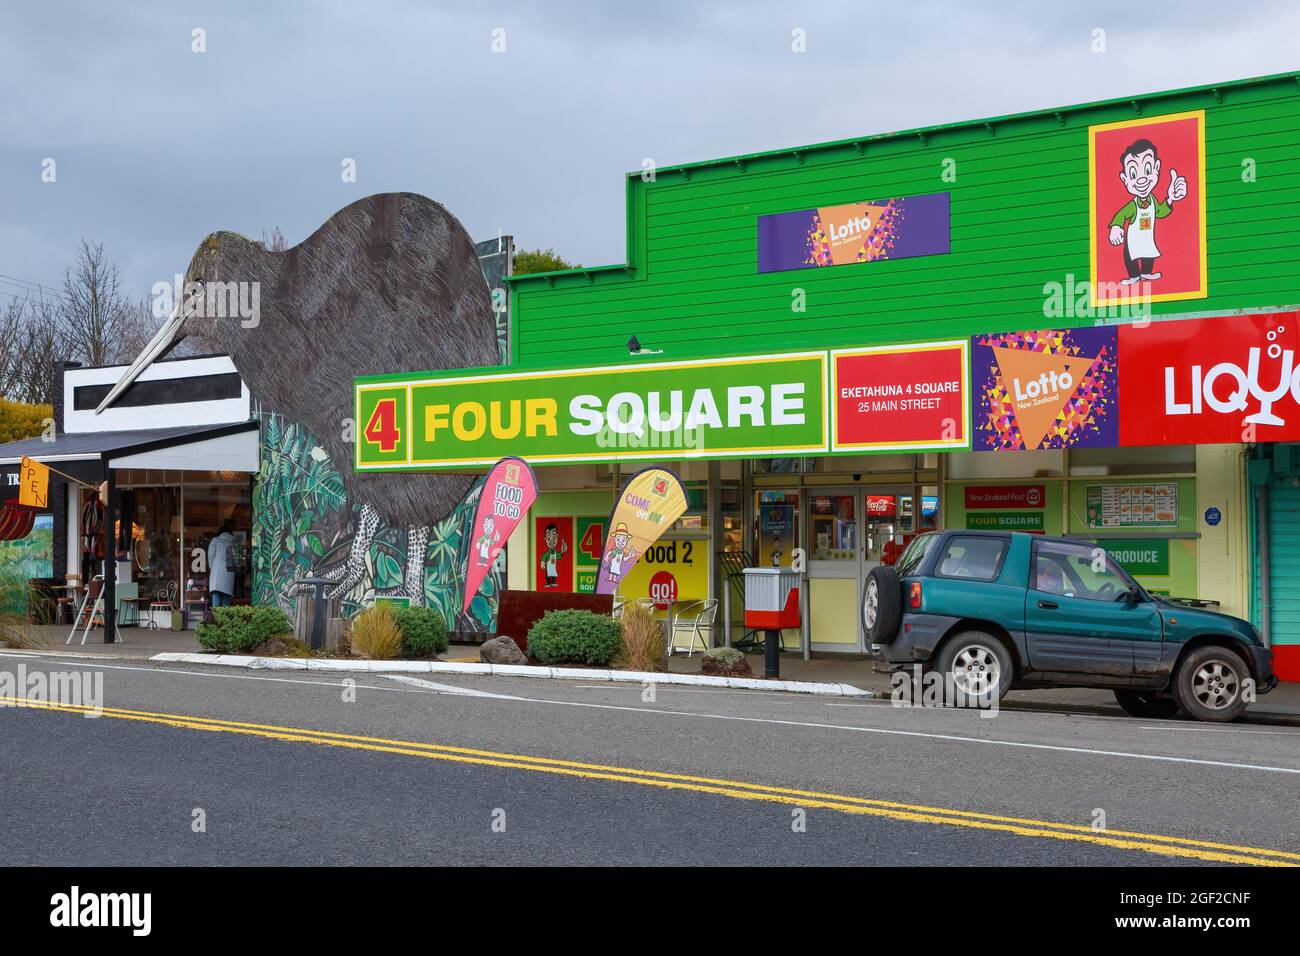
{"x": 850, "y": 531}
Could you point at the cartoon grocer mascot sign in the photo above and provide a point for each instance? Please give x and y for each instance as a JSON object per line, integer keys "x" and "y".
{"x": 1134, "y": 225}
{"x": 620, "y": 552}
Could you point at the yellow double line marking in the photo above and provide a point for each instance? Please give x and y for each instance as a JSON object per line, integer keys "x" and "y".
{"x": 740, "y": 790}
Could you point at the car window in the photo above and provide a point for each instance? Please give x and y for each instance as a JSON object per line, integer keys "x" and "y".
{"x": 914, "y": 554}
{"x": 971, "y": 556}
{"x": 1077, "y": 570}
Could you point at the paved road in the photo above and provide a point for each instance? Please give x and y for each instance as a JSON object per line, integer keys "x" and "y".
{"x": 292, "y": 769}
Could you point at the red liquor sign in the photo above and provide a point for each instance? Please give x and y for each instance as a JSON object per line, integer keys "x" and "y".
{"x": 1200, "y": 381}
{"x": 901, "y": 397}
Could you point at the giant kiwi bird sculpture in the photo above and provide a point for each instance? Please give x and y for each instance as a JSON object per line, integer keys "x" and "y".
{"x": 388, "y": 284}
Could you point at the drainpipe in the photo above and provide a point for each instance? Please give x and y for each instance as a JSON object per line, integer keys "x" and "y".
{"x": 1265, "y": 593}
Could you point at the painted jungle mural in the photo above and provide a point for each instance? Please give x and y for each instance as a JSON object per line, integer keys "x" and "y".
{"x": 303, "y": 518}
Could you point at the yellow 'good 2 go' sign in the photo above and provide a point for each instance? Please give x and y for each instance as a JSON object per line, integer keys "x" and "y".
{"x": 711, "y": 408}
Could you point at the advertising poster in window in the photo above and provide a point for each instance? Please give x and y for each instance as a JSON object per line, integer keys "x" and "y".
{"x": 776, "y": 532}
{"x": 669, "y": 572}
{"x": 1147, "y": 209}
{"x": 1054, "y": 388}
{"x": 553, "y": 544}
{"x": 586, "y": 562}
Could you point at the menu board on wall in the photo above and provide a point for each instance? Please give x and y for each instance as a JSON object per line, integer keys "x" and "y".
{"x": 1144, "y": 504}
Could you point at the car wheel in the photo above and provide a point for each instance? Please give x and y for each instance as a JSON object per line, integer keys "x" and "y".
{"x": 1139, "y": 703}
{"x": 976, "y": 664}
{"x": 882, "y": 605}
{"x": 1210, "y": 684}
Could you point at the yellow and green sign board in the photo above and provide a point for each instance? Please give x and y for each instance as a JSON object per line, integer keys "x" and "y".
{"x": 753, "y": 406}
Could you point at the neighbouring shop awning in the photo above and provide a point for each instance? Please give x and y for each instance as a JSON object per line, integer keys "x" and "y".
{"x": 231, "y": 447}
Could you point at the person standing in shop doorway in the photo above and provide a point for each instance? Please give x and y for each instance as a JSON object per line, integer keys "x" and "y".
{"x": 221, "y": 567}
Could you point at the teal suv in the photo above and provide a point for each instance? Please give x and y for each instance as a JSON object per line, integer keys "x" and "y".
{"x": 991, "y": 611}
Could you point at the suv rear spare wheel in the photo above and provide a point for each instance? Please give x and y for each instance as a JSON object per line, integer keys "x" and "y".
{"x": 976, "y": 664}
{"x": 1139, "y": 703}
{"x": 1210, "y": 684}
{"x": 882, "y": 604}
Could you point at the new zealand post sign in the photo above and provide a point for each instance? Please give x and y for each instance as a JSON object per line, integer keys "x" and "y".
{"x": 753, "y": 406}
{"x": 508, "y": 493}
{"x": 897, "y": 228}
{"x": 651, "y": 501}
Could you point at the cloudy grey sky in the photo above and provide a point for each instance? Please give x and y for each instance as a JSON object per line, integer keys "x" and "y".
{"x": 156, "y": 145}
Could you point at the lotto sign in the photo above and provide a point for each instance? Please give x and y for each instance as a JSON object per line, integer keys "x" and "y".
{"x": 904, "y": 397}
{"x": 1202, "y": 381}
{"x": 508, "y": 493}
{"x": 753, "y": 406}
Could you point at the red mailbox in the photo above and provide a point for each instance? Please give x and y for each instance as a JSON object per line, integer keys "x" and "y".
{"x": 771, "y": 604}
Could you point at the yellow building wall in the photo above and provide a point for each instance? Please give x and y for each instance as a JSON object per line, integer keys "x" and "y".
{"x": 1223, "y": 554}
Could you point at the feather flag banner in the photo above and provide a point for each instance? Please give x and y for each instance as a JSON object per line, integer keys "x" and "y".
{"x": 508, "y": 493}
{"x": 652, "y": 500}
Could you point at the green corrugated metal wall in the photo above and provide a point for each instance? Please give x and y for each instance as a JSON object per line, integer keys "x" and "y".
{"x": 1019, "y": 220}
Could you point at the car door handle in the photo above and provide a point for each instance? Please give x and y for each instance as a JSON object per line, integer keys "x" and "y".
{"x": 1048, "y": 605}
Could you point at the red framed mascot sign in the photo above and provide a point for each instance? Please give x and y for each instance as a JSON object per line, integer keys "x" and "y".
{"x": 1146, "y": 201}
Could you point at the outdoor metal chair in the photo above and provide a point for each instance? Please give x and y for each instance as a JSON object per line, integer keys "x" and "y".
{"x": 695, "y": 620}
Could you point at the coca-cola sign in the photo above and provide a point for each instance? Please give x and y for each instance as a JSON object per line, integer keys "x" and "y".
{"x": 880, "y": 506}
{"x": 1203, "y": 381}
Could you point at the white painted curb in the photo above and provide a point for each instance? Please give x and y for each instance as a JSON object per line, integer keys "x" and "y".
{"x": 511, "y": 670}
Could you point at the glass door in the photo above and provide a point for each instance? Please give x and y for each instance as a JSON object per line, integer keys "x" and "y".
{"x": 835, "y": 538}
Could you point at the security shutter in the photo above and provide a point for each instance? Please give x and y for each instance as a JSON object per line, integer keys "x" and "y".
{"x": 1284, "y": 560}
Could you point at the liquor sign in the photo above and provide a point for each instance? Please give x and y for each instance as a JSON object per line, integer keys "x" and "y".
{"x": 900, "y": 398}
{"x": 1005, "y": 496}
{"x": 898, "y": 228}
{"x": 1056, "y": 388}
{"x": 1202, "y": 381}
{"x": 753, "y": 406}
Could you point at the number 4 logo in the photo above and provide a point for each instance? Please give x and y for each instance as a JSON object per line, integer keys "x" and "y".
{"x": 382, "y": 428}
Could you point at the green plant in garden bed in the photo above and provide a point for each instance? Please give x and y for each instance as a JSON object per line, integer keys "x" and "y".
{"x": 424, "y": 632}
{"x": 574, "y": 637}
{"x": 239, "y": 629}
{"x": 375, "y": 634}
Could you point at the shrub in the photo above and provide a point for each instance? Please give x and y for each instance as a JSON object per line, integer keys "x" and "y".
{"x": 375, "y": 634}
{"x": 726, "y": 656}
{"x": 239, "y": 629}
{"x": 642, "y": 646}
{"x": 424, "y": 633}
{"x": 574, "y": 637}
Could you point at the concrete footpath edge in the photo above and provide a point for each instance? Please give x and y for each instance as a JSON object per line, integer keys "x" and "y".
{"x": 509, "y": 670}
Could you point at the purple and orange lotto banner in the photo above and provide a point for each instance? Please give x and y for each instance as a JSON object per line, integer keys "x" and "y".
{"x": 652, "y": 500}
{"x": 508, "y": 493}
{"x": 1055, "y": 388}
{"x": 899, "y": 228}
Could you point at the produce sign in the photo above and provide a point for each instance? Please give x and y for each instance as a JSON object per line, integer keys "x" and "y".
{"x": 508, "y": 493}
{"x": 651, "y": 501}
{"x": 900, "y": 397}
{"x": 755, "y": 406}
